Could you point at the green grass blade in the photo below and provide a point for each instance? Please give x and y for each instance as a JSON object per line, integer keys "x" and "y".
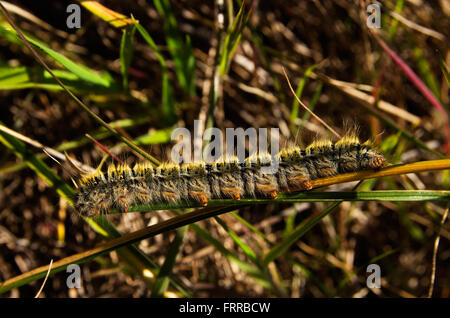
{"x": 444, "y": 69}
{"x": 79, "y": 70}
{"x": 37, "y": 165}
{"x": 232, "y": 39}
{"x": 201, "y": 232}
{"x": 180, "y": 50}
{"x": 393, "y": 27}
{"x": 425, "y": 71}
{"x": 33, "y": 77}
{"x": 379, "y": 195}
{"x": 250, "y": 227}
{"x": 167, "y": 98}
{"x": 296, "y": 234}
{"x": 245, "y": 248}
{"x": 163, "y": 279}
{"x": 126, "y": 54}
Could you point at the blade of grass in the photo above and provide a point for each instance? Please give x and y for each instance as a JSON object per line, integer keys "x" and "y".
{"x": 204, "y": 234}
{"x": 444, "y": 69}
{"x": 312, "y": 105}
{"x": 245, "y": 248}
{"x": 379, "y": 195}
{"x": 393, "y": 27}
{"x": 163, "y": 279}
{"x": 79, "y": 70}
{"x": 296, "y": 234}
{"x": 167, "y": 98}
{"x": 232, "y": 38}
{"x": 114, "y": 18}
{"x": 126, "y": 54}
{"x": 32, "y": 77}
{"x": 180, "y": 50}
{"x": 425, "y": 71}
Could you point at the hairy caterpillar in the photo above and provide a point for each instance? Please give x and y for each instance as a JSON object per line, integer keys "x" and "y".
{"x": 122, "y": 186}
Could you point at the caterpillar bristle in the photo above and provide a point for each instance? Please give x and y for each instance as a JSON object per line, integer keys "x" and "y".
{"x": 122, "y": 187}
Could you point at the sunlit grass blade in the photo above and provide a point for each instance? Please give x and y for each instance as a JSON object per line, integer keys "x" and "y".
{"x": 114, "y": 18}
{"x": 12, "y": 78}
{"x": 37, "y": 165}
{"x": 394, "y": 24}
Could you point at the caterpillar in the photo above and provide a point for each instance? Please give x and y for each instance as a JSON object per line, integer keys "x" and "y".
{"x": 121, "y": 186}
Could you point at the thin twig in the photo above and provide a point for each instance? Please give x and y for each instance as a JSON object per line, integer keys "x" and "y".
{"x": 435, "y": 250}
{"x": 307, "y": 109}
{"x": 45, "y": 280}
{"x": 104, "y": 149}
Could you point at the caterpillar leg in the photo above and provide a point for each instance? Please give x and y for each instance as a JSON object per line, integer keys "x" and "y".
{"x": 123, "y": 203}
{"x": 377, "y": 162}
{"x": 199, "y": 196}
{"x": 231, "y": 192}
{"x": 268, "y": 190}
{"x": 300, "y": 183}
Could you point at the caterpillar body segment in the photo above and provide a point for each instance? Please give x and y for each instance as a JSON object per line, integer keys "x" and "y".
{"x": 258, "y": 176}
